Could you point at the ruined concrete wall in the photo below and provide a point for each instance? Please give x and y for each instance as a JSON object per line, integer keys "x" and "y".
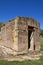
{"x": 15, "y": 34}
{"x": 22, "y": 35}
{"x": 36, "y": 25}
{"x": 37, "y": 38}
{"x": 10, "y": 34}
{"x": 7, "y": 34}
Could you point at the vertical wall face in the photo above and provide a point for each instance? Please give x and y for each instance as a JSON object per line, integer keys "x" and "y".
{"x": 37, "y": 38}
{"x": 15, "y": 35}
{"x": 22, "y": 35}
{"x": 10, "y": 34}
{"x": 7, "y": 35}
{"x": 36, "y": 34}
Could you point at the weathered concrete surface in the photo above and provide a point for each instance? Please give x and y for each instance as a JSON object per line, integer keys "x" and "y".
{"x": 14, "y": 36}
{"x": 4, "y": 51}
{"x": 7, "y": 54}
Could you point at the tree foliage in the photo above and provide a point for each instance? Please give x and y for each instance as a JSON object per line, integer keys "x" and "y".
{"x": 1, "y": 23}
{"x": 41, "y": 32}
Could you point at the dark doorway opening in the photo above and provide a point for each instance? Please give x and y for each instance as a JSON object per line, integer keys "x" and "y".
{"x": 30, "y": 30}
{"x": 34, "y": 46}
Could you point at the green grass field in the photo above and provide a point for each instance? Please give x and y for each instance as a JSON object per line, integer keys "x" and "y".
{"x": 37, "y": 62}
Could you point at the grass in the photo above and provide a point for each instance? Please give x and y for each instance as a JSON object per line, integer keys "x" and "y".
{"x": 37, "y": 62}
{"x": 41, "y": 41}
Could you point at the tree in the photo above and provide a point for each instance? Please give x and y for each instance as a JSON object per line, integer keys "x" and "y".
{"x": 1, "y": 23}
{"x": 41, "y": 32}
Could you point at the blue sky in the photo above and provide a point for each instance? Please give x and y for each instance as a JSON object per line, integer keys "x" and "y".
{"x": 9, "y": 9}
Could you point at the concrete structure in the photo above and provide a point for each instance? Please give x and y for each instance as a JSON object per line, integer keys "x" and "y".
{"x": 21, "y": 34}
